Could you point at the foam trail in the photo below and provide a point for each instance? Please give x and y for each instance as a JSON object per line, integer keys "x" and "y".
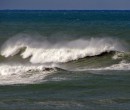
{"x": 46, "y": 52}
{"x": 21, "y": 74}
{"x": 9, "y": 69}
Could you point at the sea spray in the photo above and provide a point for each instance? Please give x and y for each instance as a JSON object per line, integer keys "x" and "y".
{"x": 59, "y": 52}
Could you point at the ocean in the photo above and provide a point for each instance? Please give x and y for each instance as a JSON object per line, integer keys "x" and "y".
{"x": 64, "y": 60}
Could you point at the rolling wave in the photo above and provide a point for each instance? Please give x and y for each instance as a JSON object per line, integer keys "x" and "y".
{"x": 29, "y": 74}
{"x": 29, "y": 60}
{"x": 58, "y": 52}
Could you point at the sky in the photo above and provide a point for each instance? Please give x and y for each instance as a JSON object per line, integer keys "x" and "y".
{"x": 65, "y": 4}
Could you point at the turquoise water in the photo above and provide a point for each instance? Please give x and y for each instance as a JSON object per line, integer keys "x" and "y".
{"x": 58, "y": 60}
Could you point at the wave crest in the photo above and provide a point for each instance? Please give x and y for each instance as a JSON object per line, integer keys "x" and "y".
{"x": 43, "y": 51}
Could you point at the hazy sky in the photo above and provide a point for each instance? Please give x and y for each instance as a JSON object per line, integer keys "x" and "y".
{"x": 66, "y": 4}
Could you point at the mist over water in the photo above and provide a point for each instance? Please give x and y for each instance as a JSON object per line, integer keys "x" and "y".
{"x": 60, "y": 51}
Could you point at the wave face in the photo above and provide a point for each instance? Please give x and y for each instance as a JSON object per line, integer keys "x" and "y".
{"x": 26, "y": 59}
{"x": 122, "y": 65}
{"x": 43, "y": 51}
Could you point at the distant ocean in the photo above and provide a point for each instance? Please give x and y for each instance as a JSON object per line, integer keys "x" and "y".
{"x": 64, "y": 60}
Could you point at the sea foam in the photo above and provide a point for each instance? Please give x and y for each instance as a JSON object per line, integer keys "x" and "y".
{"x": 24, "y": 73}
{"x": 59, "y": 52}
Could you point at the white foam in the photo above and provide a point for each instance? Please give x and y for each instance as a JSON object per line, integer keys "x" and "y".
{"x": 45, "y": 52}
{"x": 21, "y": 74}
{"x": 120, "y": 55}
{"x": 123, "y": 65}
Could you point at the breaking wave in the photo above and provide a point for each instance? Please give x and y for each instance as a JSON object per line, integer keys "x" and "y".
{"x": 43, "y": 57}
{"x": 43, "y": 51}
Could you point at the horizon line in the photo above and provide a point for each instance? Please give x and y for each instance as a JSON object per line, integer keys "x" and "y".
{"x": 65, "y": 9}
